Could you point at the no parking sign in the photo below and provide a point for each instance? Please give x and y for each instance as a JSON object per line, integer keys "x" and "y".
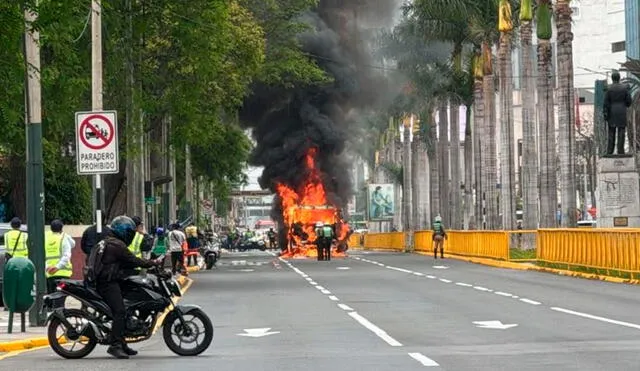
{"x": 97, "y": 143}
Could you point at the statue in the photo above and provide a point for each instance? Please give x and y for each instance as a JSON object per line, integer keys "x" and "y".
{"x": 616, "y": 101}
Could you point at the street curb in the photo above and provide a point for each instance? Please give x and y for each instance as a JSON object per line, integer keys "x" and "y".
{"x": 521, "y": 266}
{"x": 30, "y": 343}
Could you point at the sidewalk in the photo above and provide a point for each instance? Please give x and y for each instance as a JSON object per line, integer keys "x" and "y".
{"x": 37, "y": 336}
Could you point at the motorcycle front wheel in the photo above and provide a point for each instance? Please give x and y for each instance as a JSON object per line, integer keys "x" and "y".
{"x": 69, "y": 342}
{"x": 183, "y": 340}
{"x": 211, "y": 261}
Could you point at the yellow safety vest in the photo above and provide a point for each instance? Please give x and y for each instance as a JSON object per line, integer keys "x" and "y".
{"x": 53, "y": 254}
{"x": 18, "y": 240}
{"x": 136, "y": 245}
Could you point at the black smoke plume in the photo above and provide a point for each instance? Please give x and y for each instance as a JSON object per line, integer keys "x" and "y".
{"x": 286, "y": 123}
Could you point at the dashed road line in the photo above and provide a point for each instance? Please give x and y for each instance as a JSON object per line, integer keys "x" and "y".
{"x": 334, "y": 298}
{"x": 345, "y": 307}
{"x": 529, "y": 301}
{"x": 424, "y": 360}
{"x": 597, "y": 318}
{"x": 463, "y": 284}
{"x": 445, "y": 280}
{"x": 375, "y": 329}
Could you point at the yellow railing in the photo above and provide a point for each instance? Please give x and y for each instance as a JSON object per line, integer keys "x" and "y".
{"x": 355, "y": 240}
{"x": 610, "y": 249}
{"x": 384, "y": 241}
{"x": 599, "y": 248}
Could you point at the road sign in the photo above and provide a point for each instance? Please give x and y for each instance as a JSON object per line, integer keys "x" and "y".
{"x": 496, "y": 325}
{"x": 150, "y": 200}
{"x": 97, "y": 143}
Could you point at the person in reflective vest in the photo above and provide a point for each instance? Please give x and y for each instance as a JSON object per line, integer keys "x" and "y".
{"x": 15, "y": 241}
{"x": 439, "y": 235}
{"x": 136, "y": 246}
{"x": 324, "y": 237}
{"x": 57, "y": 248}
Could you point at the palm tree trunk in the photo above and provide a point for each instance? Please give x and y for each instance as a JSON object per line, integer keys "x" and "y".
{"x": 454, "y": 149}
{"x": 479, "y": 157}
{"x": 507, "y": 162}
{"x": 489, "y": 142}
{"x": 546, "y": 119}
{"x": 434, "y": 173}
{"x": 420, "y": 184}
{"x": 530, "y": 133}
{"x": 468, "y": 171}
{"x": 566, "y": 119}
{"x": 443, "y": 154}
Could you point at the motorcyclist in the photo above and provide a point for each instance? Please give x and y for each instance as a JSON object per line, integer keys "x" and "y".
{"x": 116, "y": 259}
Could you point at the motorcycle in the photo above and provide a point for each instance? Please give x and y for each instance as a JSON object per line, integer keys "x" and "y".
{"x": 210, "y": 252}
{"x": 146, "y": 298}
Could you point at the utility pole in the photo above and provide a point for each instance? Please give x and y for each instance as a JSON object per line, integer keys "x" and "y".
{"x": 189, "y": 185}
{"x": 35, "y": 177}
{"x": 96, "y": 94}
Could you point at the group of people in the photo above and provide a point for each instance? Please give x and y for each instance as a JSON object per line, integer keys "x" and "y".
{"x": 128, "y": 249}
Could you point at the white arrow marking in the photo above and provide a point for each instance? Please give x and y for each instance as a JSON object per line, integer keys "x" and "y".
{"x": 494, "y": 325}
{"x": 440, "y": 267}
{"x": 258, "y": 332}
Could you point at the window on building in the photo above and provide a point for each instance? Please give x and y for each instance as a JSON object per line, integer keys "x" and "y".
{"x": 618, "y": 47}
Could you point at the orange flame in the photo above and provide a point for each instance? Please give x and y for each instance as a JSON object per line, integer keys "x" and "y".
{"x": 306, "y": 208}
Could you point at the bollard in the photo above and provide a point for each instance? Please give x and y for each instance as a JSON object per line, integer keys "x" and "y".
{"x": 18, "y": 280}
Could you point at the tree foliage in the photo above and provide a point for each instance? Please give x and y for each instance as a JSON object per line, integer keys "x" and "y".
{"x": 191, "y": 61}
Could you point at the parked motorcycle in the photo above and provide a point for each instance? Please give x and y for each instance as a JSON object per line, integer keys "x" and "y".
{"x": 145, "y": 298}
{"x": 210, "y": 252}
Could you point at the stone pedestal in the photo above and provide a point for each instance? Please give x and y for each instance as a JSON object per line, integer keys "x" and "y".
{"x": 618, "y": 192}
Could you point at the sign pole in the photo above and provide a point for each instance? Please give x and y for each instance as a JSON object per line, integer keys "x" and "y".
{"x": 35, "y": 177}
{"x": 96, "y": 93}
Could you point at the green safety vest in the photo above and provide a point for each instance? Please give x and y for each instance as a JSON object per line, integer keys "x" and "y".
{"x": 325, "y": 231}
{"x": 437, "y": 227}
{"x": 18, "y": 240}
{"x": 53, "y": 253}
{"x": 136, "y": 245}
{"x": 160, "y": 247}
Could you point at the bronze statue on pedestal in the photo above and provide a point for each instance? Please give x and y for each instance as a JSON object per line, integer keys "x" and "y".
{"x": 616, "y": 101}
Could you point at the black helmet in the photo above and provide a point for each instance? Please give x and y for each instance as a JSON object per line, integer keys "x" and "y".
{"x": 123, "y": 228}
{"x": 16, "y": 222}
{"x": 137, "y": 220}
{"x": 56, "y": 225}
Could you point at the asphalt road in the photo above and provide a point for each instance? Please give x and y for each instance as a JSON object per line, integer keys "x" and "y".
{"x": 384, "y": 311}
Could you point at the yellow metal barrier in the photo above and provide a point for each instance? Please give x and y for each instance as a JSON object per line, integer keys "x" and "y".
{"x": 617, "y": 249}
{"x": 384, "y": 241}
{"x": 355, "y": 240}
{"x": 484, "y": 244}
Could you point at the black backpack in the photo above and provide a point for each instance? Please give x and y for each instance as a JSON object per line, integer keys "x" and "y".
{"x": 94, "y": 266}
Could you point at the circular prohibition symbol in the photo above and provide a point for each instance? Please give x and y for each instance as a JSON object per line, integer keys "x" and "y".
{"x": 89, "y": 131}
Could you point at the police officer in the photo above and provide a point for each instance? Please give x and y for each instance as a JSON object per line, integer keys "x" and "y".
{"x": 438, "y": 237}
{"x": 136, "y": 245}
{"x": 271, "y": 235}
{"x": 116, "y": 259}
{"x": 57, "y": 248}
{"x": 15, "y": 240}
{"x": 324, "y": 237}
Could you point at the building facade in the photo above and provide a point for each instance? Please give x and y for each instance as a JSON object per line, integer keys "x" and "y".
{"x": 632, "y": 28}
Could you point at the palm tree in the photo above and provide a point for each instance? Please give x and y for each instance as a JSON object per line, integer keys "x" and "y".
{"x": 546, "y": 118}
{"x": 507, "y": 163}
{"x": 566, "y": 113}
{"x": 529, "y": 128}
{"x": 478, "y": 133}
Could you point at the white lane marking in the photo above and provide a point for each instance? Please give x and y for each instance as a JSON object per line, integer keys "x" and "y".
{"x": 445, "y": 280}
{"x": 345, "y": 307}
{"x": 430, "y": 277}
{"x": 503, "y": 293}
{"x": 326, "y": 292}
{"x": 440, "y": 267}
{"x": 334, "y": 298}
{"x": 424, "y": 360}
{"x": 480, "y": 288}
{"x": 375, "y": 329}
{"x": 463, "y": 284}
{"x": 313, "y": 283}
{"x": 418, "y": 274}
{"x": 308, "y": 278}
{"x": 529, "y": 301}
{"x": 597, "y": 318}
{"x": 343, "y": 268}
{"x": 400, "y": 269}
{"x": 320, "y": 288}
{"x": 515, "y": 296}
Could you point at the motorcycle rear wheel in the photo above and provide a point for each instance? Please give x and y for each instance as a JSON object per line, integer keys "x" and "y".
{"x": 89, "y": 342}
{"x": 173, "y": 327}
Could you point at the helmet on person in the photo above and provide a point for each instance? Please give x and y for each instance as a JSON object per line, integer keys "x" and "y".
{"x": 56, "y": 226}
{"x": 319, "y": 224}
{"x": 137, "y": 220}
{"x": 438, "y": 218}
{"x": 123, "y": 228}
{"x": 160, "y": 231}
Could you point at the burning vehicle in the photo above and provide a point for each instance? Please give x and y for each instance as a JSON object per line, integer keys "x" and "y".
{"x": 301, "y": 211}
